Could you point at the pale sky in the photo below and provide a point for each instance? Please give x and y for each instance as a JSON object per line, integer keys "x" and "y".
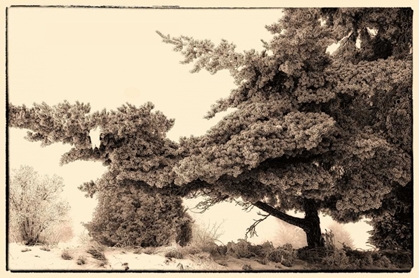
{"x": 107, "y": 57}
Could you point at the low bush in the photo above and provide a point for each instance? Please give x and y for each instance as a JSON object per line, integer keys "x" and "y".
{"x": 246, "y": 267}
{"x": 149, "y": 250}
{"x": 138, "y": 251}
{"x": 263, "y": 261}
{"x": 276, "y": 256}
{"x": 239, "y": 249}
{"x": 81, "y": 260}
{"x": 174, "y": 254}
{"x": 288, "y": 263}
{"x": 383, "y": 262}
{"x": 256, "y": 250}
{"x": 129, "y": 215}
{"x": 211, "y": 248}
{"x": 283, "y": 255}
{"x": 401, "y": 259}
{"x": 222, "y": 250}
{"x": 288, "y": 247}
{"x": 191, "y": 250}
{"x": 312, "y": 255}
{"x": 185, "y": 233}
{"x": 203, "y": 256}
{"x": 244, "y": 249}
{"x": 65, "y": 255}
{"x": 336, "y": 260}
{"x": 363, "y": 260}
{"x": 384, "y": 259}
{"x": 263, "y": 250}
{"x": 97, "y": 253}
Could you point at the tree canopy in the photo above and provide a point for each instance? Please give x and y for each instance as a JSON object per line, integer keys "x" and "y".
{"x": 311, "y": 131}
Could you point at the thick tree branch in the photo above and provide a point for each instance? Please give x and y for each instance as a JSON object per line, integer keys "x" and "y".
{"x": 281, "y": 215}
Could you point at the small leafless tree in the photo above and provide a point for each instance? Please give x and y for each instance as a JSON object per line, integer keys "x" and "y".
{"x": 35, "y": 204}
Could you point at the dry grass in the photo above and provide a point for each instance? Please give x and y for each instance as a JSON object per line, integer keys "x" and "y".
{"x": 97, "y": 253}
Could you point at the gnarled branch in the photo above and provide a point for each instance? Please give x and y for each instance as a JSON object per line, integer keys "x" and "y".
{"x": 300, "y": 222}
{"x": 252, "y": 229}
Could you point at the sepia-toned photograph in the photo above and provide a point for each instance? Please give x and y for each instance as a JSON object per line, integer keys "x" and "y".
{"x": 209, "y": 139}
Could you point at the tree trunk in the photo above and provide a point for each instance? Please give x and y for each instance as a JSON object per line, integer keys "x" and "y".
{"x": 312, "y": 225}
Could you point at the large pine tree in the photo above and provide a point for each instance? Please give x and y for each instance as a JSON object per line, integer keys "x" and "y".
{"x": 311, "y": 131}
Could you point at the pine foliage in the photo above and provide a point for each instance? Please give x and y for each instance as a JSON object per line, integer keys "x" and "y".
{"x": 130, "y": 215}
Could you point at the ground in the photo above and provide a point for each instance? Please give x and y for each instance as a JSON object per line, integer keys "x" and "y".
{"x": 23, "y": 257}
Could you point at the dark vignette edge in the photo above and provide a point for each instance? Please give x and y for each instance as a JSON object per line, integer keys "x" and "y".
{"x": 7, "y": 134}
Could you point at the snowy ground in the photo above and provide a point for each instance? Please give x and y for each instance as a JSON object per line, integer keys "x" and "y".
{"x": 119, "y": 259}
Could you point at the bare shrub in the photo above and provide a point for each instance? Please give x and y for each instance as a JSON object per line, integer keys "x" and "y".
{"x": 35, "y": 205}
{"x": 206, "y": 236}
{"x": 61, "y": 231}
{"x": 84, "y": 238}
